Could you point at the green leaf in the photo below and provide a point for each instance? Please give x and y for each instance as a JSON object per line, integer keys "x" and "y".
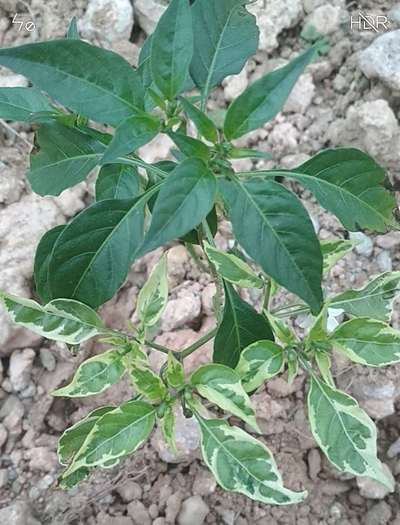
{"x": 94, "y": 375}
{"x": 184, "y": 201}
{"x": 131, "y": 134}
{"x": 19, "y": 103}
{"x": 93, "y": 255}
{"x": 115, "y": 434}
{"x": 62, "y": 320}
{"x": 204, "y": 125}
{"x": 65, "y": 157}
{"x": 189, "y": 146}
{"x": 42, "y": 261}
{"x": 368, "y": 342}
{"x": 174, "y": 373}
{"x": 91, "y": 81}
{"x": 273, "y": 227}
{"x": 344, "y": 432}
{"x": 375, "y": 299}
{"x": 248, "y": 153}
{"x": 168, "y": 427}
{"x": 241, "y": 463}
{"x": 350, "y": 184}
{"x": 72, "y": 31}
{"x": 147, "y": 382}
{"x": 225, "y": 36}
{"x": 261, "y": 101}
{"x": 117, "y": 181}
{"x": 73, "y": 438}
{"x": 193, "y": 236}
{"x": 153, "y": 296}
{"x": 233, "y": 269}
{"x": 241, "y": 325}
{"x": 68, "y": 481}
{"x": 221, "y": 385}
{"x": 323, "y": 361}
{"x": 334, "y": 250}
{"x": 280, "y": 329}
{"x": 172, "y": 48}
{"x": 258, "y": 362}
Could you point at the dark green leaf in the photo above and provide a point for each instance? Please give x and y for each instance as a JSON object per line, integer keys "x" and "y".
{"x": 204, "y": 125}
{"x": 275, "y": 230}
{"x": 131, "y": 134}
{"x": 66, "y": 156}
{"x": 261, "y": 101}
{"x": 185, "y": 199}
{"x": 94, "y": 253}
{"x": 172, "y": 48}
{"x": 19, "y": 103}
{"x": 117, "y": 181}
{"x": 241, "y": 325}
{"x": 92, "y": 81}
{"x": 225, "y": 36}
{"x": 212, "y": 220}
{"x": 42, "y": 261}
{"x": 189, "y": 146}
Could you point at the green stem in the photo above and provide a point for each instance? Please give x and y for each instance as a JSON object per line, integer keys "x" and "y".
{"x": 218, "y": 280}
{"x": 267, "y": 295}
{"x": 160, "y": 348}
{"x": 197, "y": 344}
{"x": 142, "y": 164}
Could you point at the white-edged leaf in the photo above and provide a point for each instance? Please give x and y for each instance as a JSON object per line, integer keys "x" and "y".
{"x": 374, "y": 300}
{"x": 167, "y": 424}
{"x": 323, "y": 362}
{"x": 147, "y": 383}
{"x": 62, "y": 320}
{"x": 368, "y": 342}
{"x": 344, "y": 432}
{"x": 280, "y": 329}
{"x": 153, "y": 296}
{"x": 259, "y": 362}
{"x": 333, "y": 250}
{"x": 241, "y": 463}
{"x": 94, "y": 375}
{"x": 221, "y": 385}
{"x": 174, "y": 373}
{"x": 232, "y": 268}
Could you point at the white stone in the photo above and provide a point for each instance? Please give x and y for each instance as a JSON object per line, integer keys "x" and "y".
{"x": 364, "y": 244}
{"x": 182, "y": 310}
{"x": 18, "y": 513}
{"x": 301, "y": 96}
{"x": 325, "y": 19}
{"x": 394, "y": 14}
{"x": 273, "y": 16}
{"x": 234, "y": 85}
{"x": 384, "y": 261}
{"x": 148, "y": 13}
{"x": 382, "y": 59}
{"x": 12, "y": 80}
{"x": 371, "y": 489}
{"x": 21, "y": 363}
{"x": 42, "y": 459}
{"x": 108, "y": 20}
{"x": 194, "y": 511}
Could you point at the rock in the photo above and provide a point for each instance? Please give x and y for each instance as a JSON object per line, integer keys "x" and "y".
{"x": 379, "y": 514}
{"x": 394, "y": 449}
{"x": 129, "y": 491}
{"x": 148, "y": 12}
{"x": 109, "y": 20}
{"x": 42, "y": 459}
{"x": 48, "y": 359}
{"x": 18, "y": 513}
{"x": 301, "y": 96}
{"x": 138, "y": 512}
{"x": 187, "y": 439}
{"x": 314, "y": 463}
{"x": 384, "y": 261}
{"x": 194, "y": 511}
{"x": 377, "y": 396}
{"x": 3, "y": 435}
{"x": 389, "y": 241}
{"x": 178, "y": 260}
{"x": 3, "y": 478}
{"x": 12, "y": 412}
{"x": 234, "y": 85}
{"x": 364, "y": 244}
{"x": 12, "y": 171}
{"x": 325, "y": 19}
{"x": 371, "y": 489}
{"x": 182, "y": 310}
{"x": 104, "y": 519}
{"x": 173, "y": 506}
{"x": 283, "y": 139}
{"x": 394, "y": 14}
{"x": 207, "y": 296}
{"x": 382, "y": 59}
{"x": 273, "y": 16}
{"x": 204, "y": 483}
{"x": 21, "y": 363}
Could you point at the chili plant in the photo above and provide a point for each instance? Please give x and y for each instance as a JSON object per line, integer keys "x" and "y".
{"x": 139, "y": 207}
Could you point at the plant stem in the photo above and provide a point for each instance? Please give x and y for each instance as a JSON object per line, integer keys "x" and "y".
{"x": 160, "y": 348}
{"x": 218, "y": 281}
{"x": 142, "y": 164}
{"x": 197, "y": 344}
{"x": 267, "y": 295}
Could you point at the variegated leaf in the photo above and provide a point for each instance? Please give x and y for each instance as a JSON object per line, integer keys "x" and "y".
{"x": 94, "y": 375}
{"x": 259, "y": 362}
{"x": 168, "y": 427}
{"x": 323, "y": 362}
{"x": 147, "y": 382}
{"x": 344, "y": 432}
{"x": 241, "y": 463}
{"x": 115, "y": 434}
{"x": 368, "y": 342}
{"x": 280, "y": 329}
{"x": 174, "y": 372}
{"x": 62, "y": 320}
{"x": 221, "y": 385}
{"x": 233, "y": 269}
{"x": 154, "y": 295}
{"x": 374, "y": 300}
{"x": 333, "y": 250}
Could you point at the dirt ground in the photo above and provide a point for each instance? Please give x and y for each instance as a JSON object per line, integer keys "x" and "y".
{"x": 345, "y": 98}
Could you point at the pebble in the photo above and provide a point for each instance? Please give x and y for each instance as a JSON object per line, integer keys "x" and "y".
{"x": 21, "y": 363}
{"x": 3, "y": 477}
{"x": 3, "y": 435}
{"x": 130, "y": 491}
{"x": 42, "y": 459}
{"x": 18, "y": 513}
{"x": 325, "y": 19}
{"x": 379, "y": 514}
{"x": 139, "y": 514}
{"x": 394, "y": 449}
{"x": 47, "y": 359}
{"x": 364, "y": 244}
{"x": 314, "y": 463}
{"x": 384, "y": 261}
{"x": 382, "y": 59}
{"x": 194, "y": 511}
{"x": 173, "y": 507}
{"x": 204, "y": 483}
